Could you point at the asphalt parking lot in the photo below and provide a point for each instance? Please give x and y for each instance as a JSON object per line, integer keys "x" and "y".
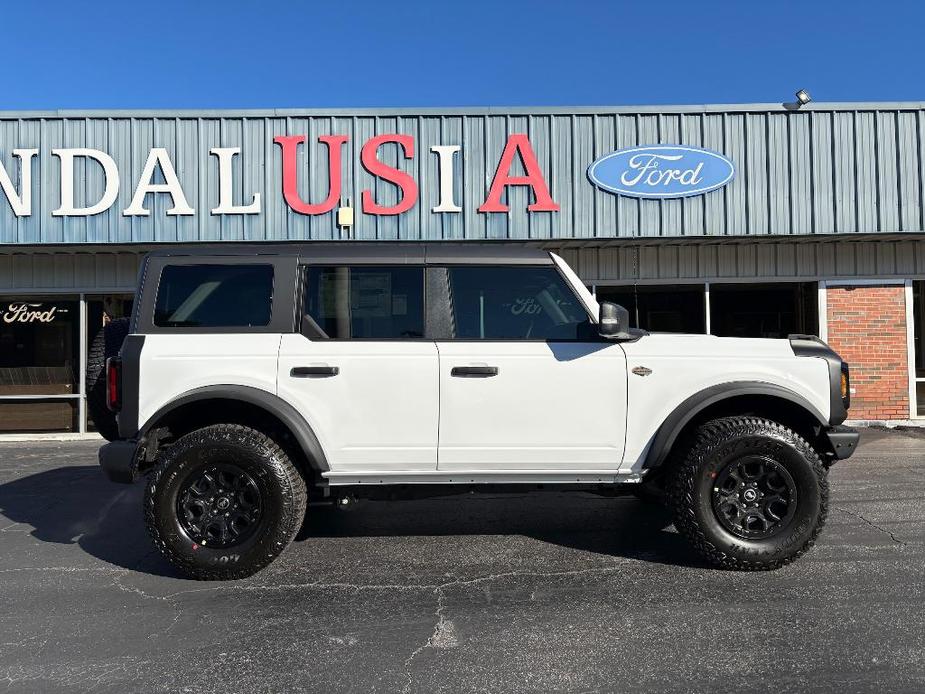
{"x": 506, "y": 593}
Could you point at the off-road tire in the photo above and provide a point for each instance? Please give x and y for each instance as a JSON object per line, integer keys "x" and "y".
{"x": 720, "y": 442}
{"x": 283, "y": 499}
{"x": 106, "y": 344}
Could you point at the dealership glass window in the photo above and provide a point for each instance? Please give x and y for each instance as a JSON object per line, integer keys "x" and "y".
{"x": 664, "y": 308}
{"x": 39, "y": 348}
{"x": 38, "y": 416}
{"x": 515, "y": 303}
{"x": 918, "y": 320}
{"x": 214, "y": 296}
{"x": 369, "y": 302}
{"x": 764, "y": 310}
{"x": 39, "y": 363}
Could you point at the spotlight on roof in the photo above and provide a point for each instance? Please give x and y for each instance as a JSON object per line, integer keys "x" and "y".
{"x": 803, "y": 97}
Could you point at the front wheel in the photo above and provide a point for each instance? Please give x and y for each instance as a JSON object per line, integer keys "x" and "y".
{"x": 224, "y": 502}
{"x": 750, "y": 494}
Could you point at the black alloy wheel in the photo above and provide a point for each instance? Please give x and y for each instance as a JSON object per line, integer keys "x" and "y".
{"x": 754, "y": 497}
{"x": 220, "y": 507}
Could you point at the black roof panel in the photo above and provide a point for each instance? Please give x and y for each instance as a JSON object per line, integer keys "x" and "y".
{"x": 374, "y": 252}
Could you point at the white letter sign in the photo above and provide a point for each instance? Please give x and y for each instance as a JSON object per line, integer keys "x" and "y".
{"x": 22, "y": 203}
{"x": 225, "y": 178}
{"x": 445, "y": 160}
{"x": 110, "y": 182}
{"x": 171, "y": 185}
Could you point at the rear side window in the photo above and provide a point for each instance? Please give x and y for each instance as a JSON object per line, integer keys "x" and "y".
{"x": 214, "y": 296}
{"x": 367, "y": 302}
{"x": 515, "y": 303}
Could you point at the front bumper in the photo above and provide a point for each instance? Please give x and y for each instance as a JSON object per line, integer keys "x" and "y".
{"x": 119, "y": 460}
{"x": 842, "y": 441}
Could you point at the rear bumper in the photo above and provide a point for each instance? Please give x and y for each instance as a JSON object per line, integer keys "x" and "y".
{"x": 842, "y": 441}
{"x": 119, "y": 461}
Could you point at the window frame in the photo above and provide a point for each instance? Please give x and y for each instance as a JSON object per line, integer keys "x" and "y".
{"x": 282, "y": 303}
{"x": 442, "y": 335}
{"x": 309, "y": 329}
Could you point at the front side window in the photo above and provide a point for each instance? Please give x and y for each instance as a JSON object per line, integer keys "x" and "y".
{"x": 214, "y": 296}
{"x": 515, "y": 303}
{"x": 368, "y": 302}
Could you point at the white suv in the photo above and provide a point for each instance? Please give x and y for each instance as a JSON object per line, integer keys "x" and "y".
{"x": 255, "y": 377}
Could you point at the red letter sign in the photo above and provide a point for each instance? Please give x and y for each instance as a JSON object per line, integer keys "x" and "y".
{"x": 519, "y": 143}
{"x": 290, "y": 146}
{"x": 409, "y": 189}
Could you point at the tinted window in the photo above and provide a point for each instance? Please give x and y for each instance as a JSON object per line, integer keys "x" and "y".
{"x": 515, "y": 303}
{"x": 214, "y": 296}
{"x": 764, "y": 310}
{"x": 671, "y": 308}
{"x": 366, "y": 302}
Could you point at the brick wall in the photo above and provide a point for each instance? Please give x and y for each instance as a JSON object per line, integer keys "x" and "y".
{"x": 867, "y": 327}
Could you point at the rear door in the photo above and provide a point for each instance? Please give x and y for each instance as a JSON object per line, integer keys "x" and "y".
{"x": 361, "y": 372}
{"x": 525, "y": 382}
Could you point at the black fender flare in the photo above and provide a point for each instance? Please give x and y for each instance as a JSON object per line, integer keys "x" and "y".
{"x": 675, "y": 422}
{"x": 273, "y": 404}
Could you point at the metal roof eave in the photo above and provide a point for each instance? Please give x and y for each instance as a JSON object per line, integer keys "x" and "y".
{"x": 468, "y": 111}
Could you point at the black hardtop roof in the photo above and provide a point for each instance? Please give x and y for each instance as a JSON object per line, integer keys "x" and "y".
{"x": 371, "y": 252}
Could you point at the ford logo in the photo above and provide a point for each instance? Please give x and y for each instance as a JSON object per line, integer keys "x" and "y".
{"x": 661, "y": 171}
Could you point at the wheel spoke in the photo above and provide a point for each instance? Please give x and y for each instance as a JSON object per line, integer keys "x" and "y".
{"x": 775, "y": 507}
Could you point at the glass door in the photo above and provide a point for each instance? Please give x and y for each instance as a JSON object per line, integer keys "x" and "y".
{"x": 918, "y": 323}
{"x": 101, "y": 309}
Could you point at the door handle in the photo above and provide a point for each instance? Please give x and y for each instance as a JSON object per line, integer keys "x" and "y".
{"x": 314, "y": 371}
{"x": 475, "y": 371}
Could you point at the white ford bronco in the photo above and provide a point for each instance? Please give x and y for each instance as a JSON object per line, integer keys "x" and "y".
{"x": 253, "y": 378}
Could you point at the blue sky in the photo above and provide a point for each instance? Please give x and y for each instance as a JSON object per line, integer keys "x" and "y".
{"x": 231, "y": 54}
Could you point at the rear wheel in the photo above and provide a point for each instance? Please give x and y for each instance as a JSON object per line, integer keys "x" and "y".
{"x": 224, "y": 502}
{"x": 750, "y": 494}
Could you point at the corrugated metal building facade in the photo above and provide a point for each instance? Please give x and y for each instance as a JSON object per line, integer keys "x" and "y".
{"x": 819, "y": 170}
{"x": 825, "y": 197}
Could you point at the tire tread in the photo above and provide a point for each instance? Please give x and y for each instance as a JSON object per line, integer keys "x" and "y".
{"x": 287, "y": 476}
{"x": 683, "y": 478}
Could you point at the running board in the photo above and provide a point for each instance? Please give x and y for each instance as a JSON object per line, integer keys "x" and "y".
{"x": 501, "y": 477}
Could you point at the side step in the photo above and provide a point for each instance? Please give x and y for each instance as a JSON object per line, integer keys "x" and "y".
{"x": 378, "y": 477}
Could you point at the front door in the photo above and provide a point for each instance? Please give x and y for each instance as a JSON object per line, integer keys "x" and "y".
{"x": 362, "y": 373}
{"x": 525, "y": 384}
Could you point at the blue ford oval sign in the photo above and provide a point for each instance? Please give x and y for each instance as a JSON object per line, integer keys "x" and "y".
{"x": 661, "y": 171}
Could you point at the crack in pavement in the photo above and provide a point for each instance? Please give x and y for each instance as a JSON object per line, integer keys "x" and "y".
{"x": 893, "y": 537}
{"x": 65, "y": 569}
{"x": 444, "y": 633}
{"x": 124, "y": 573}
{"x": 443, "y": 636}
{"x": 342, "y": 585}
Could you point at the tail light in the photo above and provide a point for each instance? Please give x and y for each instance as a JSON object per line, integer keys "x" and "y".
{"x": 114, "y": 383}
{"x": 845, "y": 385}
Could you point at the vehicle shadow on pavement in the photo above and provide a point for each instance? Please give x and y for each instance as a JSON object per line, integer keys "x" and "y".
{"x": 614, "y": 526}
{"x": 77, "y": 505}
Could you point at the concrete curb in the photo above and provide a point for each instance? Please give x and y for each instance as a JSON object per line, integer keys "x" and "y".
{"x": 23, "y": 438}
{"x": 887, "y": 424}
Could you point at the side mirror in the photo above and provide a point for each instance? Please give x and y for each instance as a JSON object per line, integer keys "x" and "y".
{"x": 614, "y": 321}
